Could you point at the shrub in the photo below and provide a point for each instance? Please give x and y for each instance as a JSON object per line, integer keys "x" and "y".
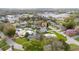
{"x": 70, "y": 32}
{"x": 26, "y": 35}
{"x": 57, "y": 45}
{"x": 60, "y": 36}
{"x": 69, "y": 23}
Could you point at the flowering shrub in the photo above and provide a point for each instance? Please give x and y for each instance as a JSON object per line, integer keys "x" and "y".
{"x": 70, "y": 32}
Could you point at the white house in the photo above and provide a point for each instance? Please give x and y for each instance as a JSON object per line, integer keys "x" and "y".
{"x": 2, "y": 18}
{"x": 11, "y": 18}
{"x": 23, "y": 24}
{"x": 43, "y": 29}
{"x": 34, "y": 35}
{"x": 50, "y": 35}
{"x": 20, "y": 32}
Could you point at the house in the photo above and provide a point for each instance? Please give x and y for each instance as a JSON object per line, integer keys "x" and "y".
{"x": 11, "y": 18}
{"x": 20, "y": 32}
{"x": 50, "y": 35}
{"x": 62, "y": 16}
{"x": 2, "y": 19}
{"x": 34, "y": 35}
{"x": 43, "y": 29}
{"x": 23, "y": 24}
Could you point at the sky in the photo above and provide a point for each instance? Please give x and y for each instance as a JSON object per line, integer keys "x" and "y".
{"x": 39, "y": 3}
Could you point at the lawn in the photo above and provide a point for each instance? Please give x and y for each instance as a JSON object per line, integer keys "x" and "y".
{"x": 77, "y": 38}
{"x": 3, "y": 45}
{"x": 21, "y": 40}
{"x": 50, "y": 32}
{"x": 74, "y": 47}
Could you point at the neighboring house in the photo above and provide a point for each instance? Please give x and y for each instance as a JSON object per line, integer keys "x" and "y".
{"x": 11, "y": 18}
{"x": 50, "y": 35}
{"x": 2, "y": 19}
{"x": 34, "y": 35}
{"x": 23, "y": 24}
{"x": 20, "y": 32}
{"x": 43, "y": 29}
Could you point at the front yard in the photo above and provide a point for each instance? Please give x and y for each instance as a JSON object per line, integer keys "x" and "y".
{"x": 74, "y": 47}
{"x": 21, "y": 40}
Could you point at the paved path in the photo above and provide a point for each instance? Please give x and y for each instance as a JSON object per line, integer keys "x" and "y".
{"x": 10, "y": 49}
{"x": 12, "y": 43}
{"x": 0, "y": 49}
{"x": 71, "y": 40}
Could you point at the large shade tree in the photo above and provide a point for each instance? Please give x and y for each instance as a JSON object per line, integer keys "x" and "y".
{"x": 9, "y": 29}
{"x": 69, "y": 22}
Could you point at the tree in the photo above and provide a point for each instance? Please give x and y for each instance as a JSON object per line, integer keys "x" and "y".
{"x": 69, "y": 22}
{"x": 1, "y": 26}
{"x": 33, "y": 45}
{"x": 27, "y": 34}
{"x": 9, "y": 29}
{"x": 24, "y": 18}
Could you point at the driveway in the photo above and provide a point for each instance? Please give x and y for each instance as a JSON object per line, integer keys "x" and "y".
{"x": 12, "y": 43}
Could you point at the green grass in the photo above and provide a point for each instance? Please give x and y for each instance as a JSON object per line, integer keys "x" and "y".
{"x": 60, "y": 36}
{"x": 21, "y": 40}
{"x": 3, "y": 45}
{"x": 77, "y": 38}
{"x": 49, "y": 32}
{"x": 74, "y": 47}
{"x": 17, "y": 50}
